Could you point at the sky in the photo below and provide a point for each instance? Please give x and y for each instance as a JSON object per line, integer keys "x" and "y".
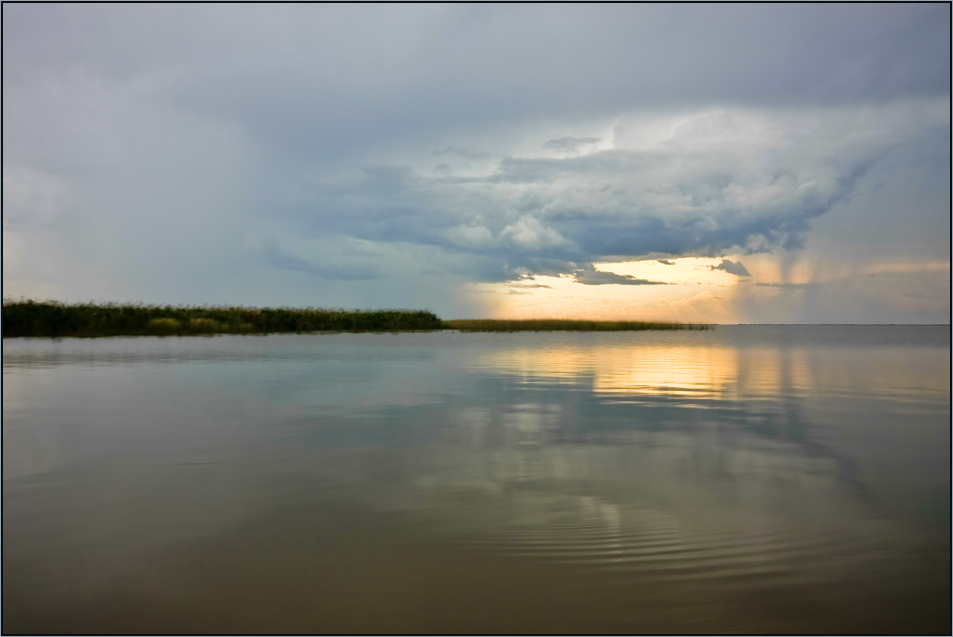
{"x": 701, "y": 163}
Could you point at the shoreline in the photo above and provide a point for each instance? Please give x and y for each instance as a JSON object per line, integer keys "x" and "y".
{"x": 51, "y": 319}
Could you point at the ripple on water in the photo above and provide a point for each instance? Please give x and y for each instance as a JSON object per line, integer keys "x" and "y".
{"x": 648, "y": 541}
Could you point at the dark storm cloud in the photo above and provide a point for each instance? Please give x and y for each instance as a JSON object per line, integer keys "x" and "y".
{"x": 731, "y": 267}
{"x": 597, "y": 277}
{"x": 580, "y": 58}
{"x": 319, "y": 82}
{"x": 727, "y": 183}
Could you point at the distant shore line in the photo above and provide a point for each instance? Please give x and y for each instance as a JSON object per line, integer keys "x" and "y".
{"x": 561, "y": 325}
{"x": 26, "y": 318}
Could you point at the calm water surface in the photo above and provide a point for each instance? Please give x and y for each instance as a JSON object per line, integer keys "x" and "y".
{"x": 745, "y": 479}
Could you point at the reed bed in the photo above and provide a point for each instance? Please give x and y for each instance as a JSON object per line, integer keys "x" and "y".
{"x": 552, "y": 325}
{"x": 53, "y": 319}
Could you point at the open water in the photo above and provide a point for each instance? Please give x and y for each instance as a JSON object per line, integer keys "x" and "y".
{"x": 745, "y": 479}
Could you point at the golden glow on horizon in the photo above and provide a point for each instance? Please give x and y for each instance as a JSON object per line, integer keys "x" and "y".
{"x": 693, "y": 292}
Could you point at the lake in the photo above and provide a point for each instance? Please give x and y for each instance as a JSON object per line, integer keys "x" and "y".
{"x": 745, "y": 479}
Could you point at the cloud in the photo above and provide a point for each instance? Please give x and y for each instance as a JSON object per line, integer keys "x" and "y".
{"x": 731, "y": 267}
{"x": 665, "y": 262}
{"x": 530, "y": 285}
{"x": 917, "y": 295}
{"x": 597, "y": 277}
{"x": 570, "y": 144}
{"x": 318, "y": 124}
{"x": 278, "y": 258}
{"x": 462, "y": 152}
{"x": 735, "y": 181}
{"x": 31, "y": 198}
{"x": 789, "y": 286}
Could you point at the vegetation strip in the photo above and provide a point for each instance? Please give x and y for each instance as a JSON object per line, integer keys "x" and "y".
{"x": 53, "y": 319}
{"x": 552, "y": 325}
{"x": 31, "y": 318}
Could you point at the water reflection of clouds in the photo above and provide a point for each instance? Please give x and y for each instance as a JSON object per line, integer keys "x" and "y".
{"x": 774, "y": 433}
{"x": 663, "y": 370}
{"x": 664, "y": 501}
{"x": 575, "y": 447}
{"x": 673, "y": 371}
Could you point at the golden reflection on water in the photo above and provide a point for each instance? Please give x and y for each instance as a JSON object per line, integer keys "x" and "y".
{"x": 719, "y": 372}
{"x": 663, "y": 370}
{"x": 673, "y": 371}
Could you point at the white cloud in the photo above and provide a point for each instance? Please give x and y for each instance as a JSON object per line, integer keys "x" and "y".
{"x": 529, "y": 234}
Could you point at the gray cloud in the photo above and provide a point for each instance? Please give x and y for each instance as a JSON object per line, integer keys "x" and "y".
{"x": 597, "y": 277}
{"x": 462, "y": 152}
{"x": 754, "y": 184}
{"x": 426, "y": 73}
{"x": 570, "y": 144}
{"x": 278, "y": 258}
{"x": 731, "y": 267}
{"x": 789, "y": 286}
{"x": 917, "y": 295}
{"x": 665, "y": 262}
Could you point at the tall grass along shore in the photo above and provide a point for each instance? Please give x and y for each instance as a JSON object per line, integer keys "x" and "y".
{"x": 53, "y": 319}
{"x": 552, "y": 325}
{"x": 32, "y": 318}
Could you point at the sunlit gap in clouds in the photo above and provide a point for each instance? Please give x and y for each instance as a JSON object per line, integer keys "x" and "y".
{"x": 689, "y": 289}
